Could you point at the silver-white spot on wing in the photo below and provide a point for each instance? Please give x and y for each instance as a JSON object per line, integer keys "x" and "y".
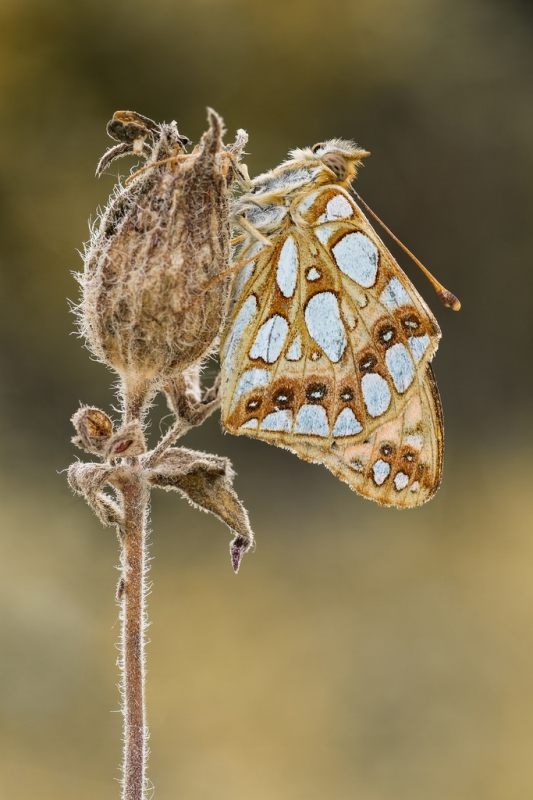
{"x": 415, "y": 440}
{"x": 401, "y": 367}
{"x": 270, "y": 339}
{"x": 394, "y": 295}
{"x": 287, "y": 267}
{"x": 325, "y": 326}
{"x": 313, "y": 274}
{"x": 277, "y": 421}
{"x": 358, "y": 258}
{"x": 250, "y": 425}
{"x": 400, "y": 481}
{"x": 376, "y": 393}
{"x": 242, "y": 320}
{"x": 248, "y": 270}
{"x": 415, "y": 487}
{"x": 348, "y": 314}
{"x": 313, "y": 420}
{"x": 324, "y": 232}
{"x": 347, "y": 424}
{"x": 418, "y": 345}
{"x": 294, "y": 353}
{"x": 251, "y": 379}
{"x": 337, "y": 208}
{"x": 381, "y": 471}
{"x": 308, "y": 201}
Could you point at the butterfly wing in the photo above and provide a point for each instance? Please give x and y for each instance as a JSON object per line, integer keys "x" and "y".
{"x": 327, "y": 352}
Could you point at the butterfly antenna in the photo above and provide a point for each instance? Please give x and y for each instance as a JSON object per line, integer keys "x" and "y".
{"x": 446, "y": 297}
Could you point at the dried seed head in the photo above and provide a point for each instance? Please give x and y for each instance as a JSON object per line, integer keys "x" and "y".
{"x": 162, "y": 238}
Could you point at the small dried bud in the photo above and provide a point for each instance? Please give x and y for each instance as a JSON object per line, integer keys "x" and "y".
{"x": 238, "y": 547}
{"x": 94, "y": 429}
{"x": 128, "y": 441}
{"x": 162, "y": 239}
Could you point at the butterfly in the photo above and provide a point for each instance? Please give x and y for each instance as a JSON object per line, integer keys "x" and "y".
{"x": 328, "y": 345}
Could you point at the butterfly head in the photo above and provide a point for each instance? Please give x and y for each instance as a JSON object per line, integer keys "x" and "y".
{"x": 342, "y": 158}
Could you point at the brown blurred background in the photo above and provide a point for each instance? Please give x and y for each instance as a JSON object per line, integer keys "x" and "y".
{"x": 361, "y": 652}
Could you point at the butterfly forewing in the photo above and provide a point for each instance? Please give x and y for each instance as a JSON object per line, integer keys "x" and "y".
{"x": 327, "y": 352}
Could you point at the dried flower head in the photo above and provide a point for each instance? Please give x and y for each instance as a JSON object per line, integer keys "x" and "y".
{"x": 163, "y": 237}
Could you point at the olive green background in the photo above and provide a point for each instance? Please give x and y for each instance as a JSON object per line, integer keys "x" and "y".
{"x": 362, "y": 653}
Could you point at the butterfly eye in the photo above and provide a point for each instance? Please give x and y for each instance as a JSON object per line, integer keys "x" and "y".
{"x": 316, "y": 147}
{"x": 337, "y": 164}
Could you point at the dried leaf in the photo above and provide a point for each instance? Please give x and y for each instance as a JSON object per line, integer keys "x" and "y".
{"x": 88, "y": 480}
{"x": 206, "y": 481}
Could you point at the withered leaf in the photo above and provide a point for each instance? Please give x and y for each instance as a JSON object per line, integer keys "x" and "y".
{"x": 88, "y": 480}
{"x": 206, "y": 481}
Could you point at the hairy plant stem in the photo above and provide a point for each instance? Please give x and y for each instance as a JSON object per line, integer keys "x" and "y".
{"x": 136, "y": 394}
{"x": 133, "y": 590}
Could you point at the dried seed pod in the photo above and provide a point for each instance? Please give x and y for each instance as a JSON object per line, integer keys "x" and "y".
{"x": 163, "y": 237}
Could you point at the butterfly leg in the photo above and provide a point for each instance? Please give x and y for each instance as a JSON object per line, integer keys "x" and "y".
{"x": 241, "y": 170}
{"x": 176, "y": 159}
{"x": 225, "y": 274}
{"x": 243, "y": 223}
